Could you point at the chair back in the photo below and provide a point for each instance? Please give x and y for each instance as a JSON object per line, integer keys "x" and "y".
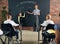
{"x": 8, "y": 30}
{"x": 6, "y": 27}
{"x": 50, "y": 26}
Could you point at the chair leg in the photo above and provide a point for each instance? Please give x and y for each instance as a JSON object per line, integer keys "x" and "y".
{"x": 12, "y": 41}
{"x": 2, "y": 41}
{"x": 38, "y": 37}
{"x": 5, "y": 39}
{"x": 21, "y": 36}
{"x": 9, "y": 39}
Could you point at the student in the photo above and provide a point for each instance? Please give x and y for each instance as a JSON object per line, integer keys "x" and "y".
{"x": 36, "y": 13}
{"x": 45, "y": 26}
{"x": 47, "y": 21}
{"x": 10, "y": 21}
{"x": 19, "y": 18}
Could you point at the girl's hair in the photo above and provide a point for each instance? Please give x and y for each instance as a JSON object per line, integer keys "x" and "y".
{"x": 48, "y": 17}
{"x": 8, "y": 16}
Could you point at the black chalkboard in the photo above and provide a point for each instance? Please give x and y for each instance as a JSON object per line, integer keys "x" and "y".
{"x": 17, "y": 6}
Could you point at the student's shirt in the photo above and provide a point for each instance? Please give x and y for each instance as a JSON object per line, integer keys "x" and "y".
{"x": 1, "y": 32}
{"x": 45, "y": 23}
{"x": 11, "y": 22}
{"x": 36, "y": 11}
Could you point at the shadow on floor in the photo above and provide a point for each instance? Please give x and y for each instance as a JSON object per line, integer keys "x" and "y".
{"x": 29, "y": 42}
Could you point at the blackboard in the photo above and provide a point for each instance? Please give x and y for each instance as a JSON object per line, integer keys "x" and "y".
{"x": 17, "y": 6}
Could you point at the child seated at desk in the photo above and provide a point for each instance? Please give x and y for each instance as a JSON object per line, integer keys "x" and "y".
{"x": 47, "y": 21}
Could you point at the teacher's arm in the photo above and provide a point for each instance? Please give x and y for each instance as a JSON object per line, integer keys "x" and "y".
{"x": 30, "y": 12}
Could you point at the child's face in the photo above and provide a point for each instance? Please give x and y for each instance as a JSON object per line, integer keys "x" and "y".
{"x": 48, "y": 17}
{"x": 19, "y": 14}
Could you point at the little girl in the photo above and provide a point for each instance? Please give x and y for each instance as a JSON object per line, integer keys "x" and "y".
{"x": 20, "y": 16}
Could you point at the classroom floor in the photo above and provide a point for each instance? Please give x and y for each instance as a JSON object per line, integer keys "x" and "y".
{"x": 29, "y": 37}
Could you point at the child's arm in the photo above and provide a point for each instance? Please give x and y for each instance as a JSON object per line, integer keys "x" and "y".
{"x": 23, "y": 16}
{"x": 18, "y": 19}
